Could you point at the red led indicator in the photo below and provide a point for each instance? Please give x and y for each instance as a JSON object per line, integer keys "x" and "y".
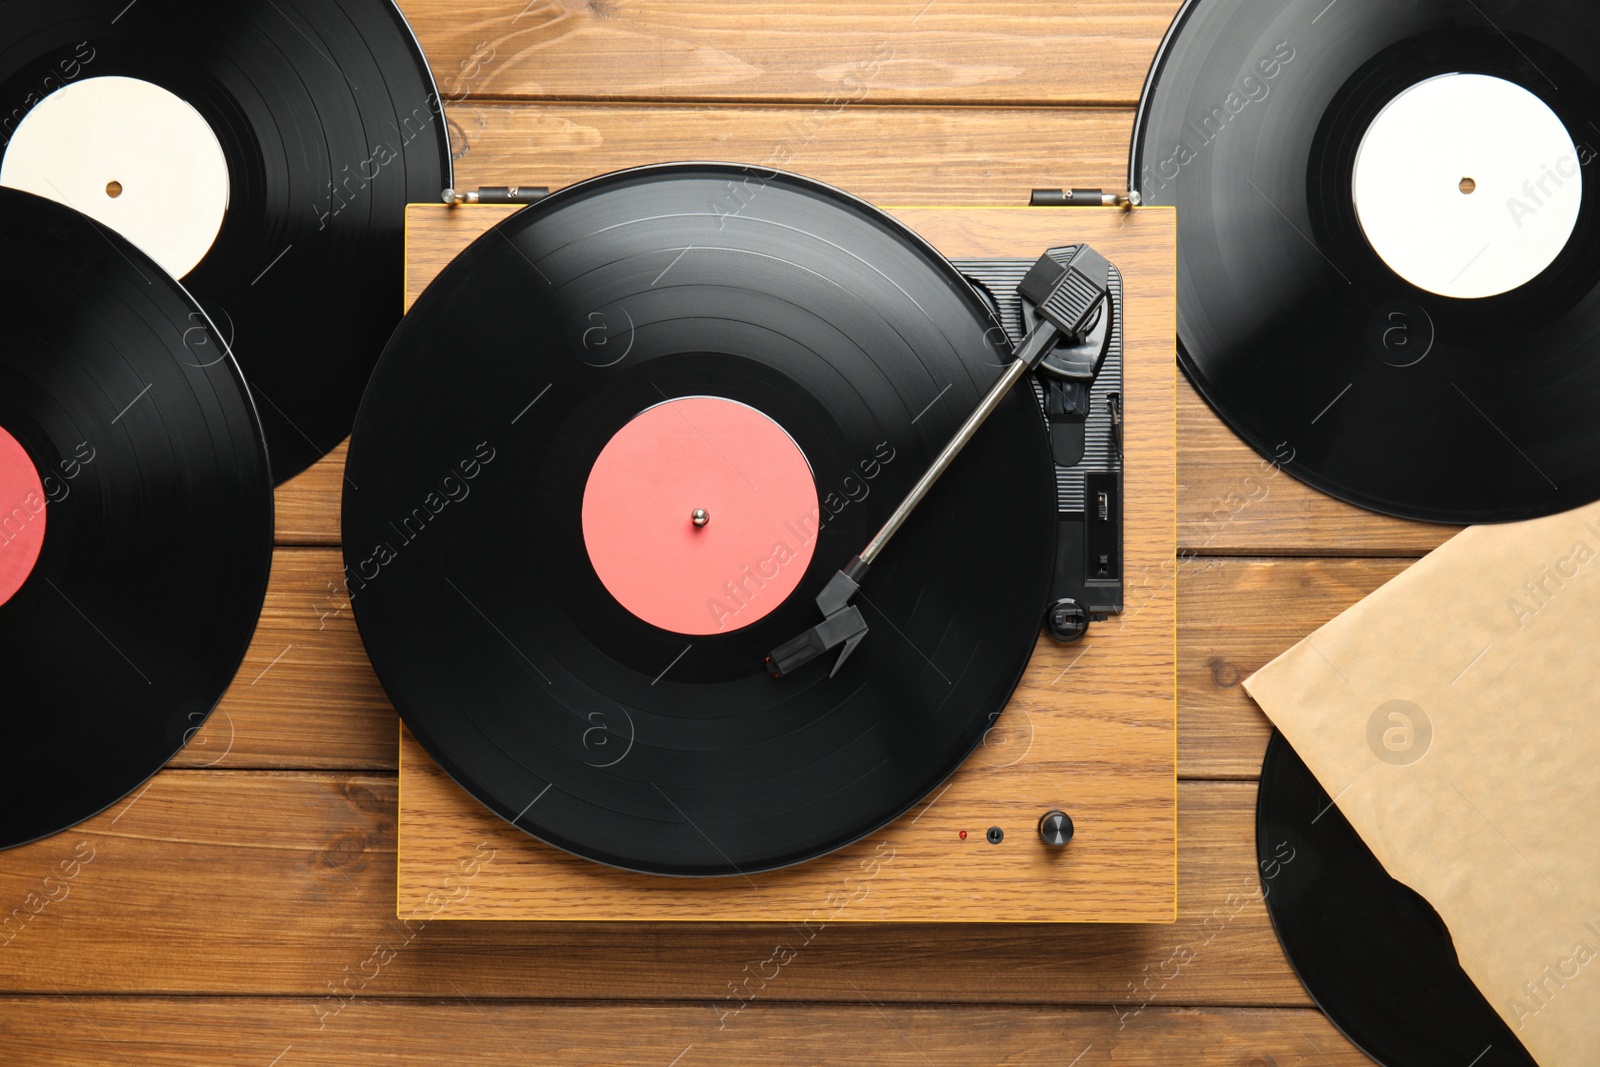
{"x": 963, "y": 835}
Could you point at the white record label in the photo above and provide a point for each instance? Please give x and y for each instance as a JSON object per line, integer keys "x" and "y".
{"x": 1468, "y": 186}
{"x": 131, "y": 155}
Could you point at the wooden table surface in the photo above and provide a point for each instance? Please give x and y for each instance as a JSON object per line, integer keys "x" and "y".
{"x": 240, "y": 909}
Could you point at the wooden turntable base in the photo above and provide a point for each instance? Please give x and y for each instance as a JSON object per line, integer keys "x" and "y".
{"x": 1091, "y": 730}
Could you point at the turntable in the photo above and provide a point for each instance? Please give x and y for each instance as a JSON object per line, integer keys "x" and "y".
{"x": 634, "y": 617}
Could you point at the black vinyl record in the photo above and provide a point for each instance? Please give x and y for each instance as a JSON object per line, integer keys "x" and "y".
{"x": 136, "y": 534}
{"x": 1372, "y": 952}
{"x": 506, "y": 655}
{"x": 330, "y": 124}
{"x": 1291, "y": 325}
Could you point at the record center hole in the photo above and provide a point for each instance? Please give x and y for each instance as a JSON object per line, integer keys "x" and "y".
{"x": 113, "y": 189}
{"x": 1468, "y": 186}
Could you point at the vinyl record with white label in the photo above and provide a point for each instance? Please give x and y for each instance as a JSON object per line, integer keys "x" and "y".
{"x": 135, "y": 517}
{"x": 261, "y": 152}
{"x": 1389, "y": 242}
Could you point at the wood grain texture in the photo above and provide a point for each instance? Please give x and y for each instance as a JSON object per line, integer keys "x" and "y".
{"x": 911, "y": 155}
{"x": 309, "y": 504}
{"x": 283, "y": 884}
{"x": 1099, "y": 747}
{"x": 1234, "y": 617}
{"x": 306, "y": 695}
{"x": 116, "y": 1031}
{"x": 888, "y": 51}
{"x": 1234, "y": 502}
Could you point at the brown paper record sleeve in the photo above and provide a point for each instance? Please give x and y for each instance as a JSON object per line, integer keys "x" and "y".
{"x": 1454, "y": 717}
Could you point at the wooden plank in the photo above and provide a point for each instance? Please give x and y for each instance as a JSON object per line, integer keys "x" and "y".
{"x": 1235, "y": 617}
{"x": 886, "y": 51}
{"x": 118, "y": 1030}
{"x": 309, "y": 503}
{"x": 1119, "y": 868}
{"x": 1232, "y": 502}
{"x": 306, "y": 695}
{"x": 1109, "y": 732}
{"x": 890, "y": 156}
{"x": 233, "y": 882}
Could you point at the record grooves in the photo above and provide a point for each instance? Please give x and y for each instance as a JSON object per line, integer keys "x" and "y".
{"x": 156, "y": 517}
{"x": 329, "y": 122}
{"x": 501, "y": 647}
{"x": 1292, "y": 326}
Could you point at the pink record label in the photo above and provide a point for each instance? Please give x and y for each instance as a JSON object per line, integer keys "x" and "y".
{"x": 700, "y": 516}
{"x": 22, "y": 515}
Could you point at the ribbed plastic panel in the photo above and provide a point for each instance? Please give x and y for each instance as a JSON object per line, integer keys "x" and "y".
{"x": 998, "y": 279}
